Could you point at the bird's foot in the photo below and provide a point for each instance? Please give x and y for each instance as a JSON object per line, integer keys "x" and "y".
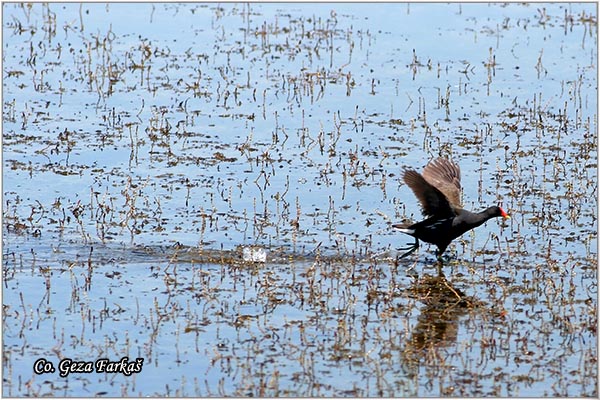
{"x": 411, "y": 249}
{"x": 440, "y": 264}
{"x": 440, "y": 267}
{"x": 447, "y": 259}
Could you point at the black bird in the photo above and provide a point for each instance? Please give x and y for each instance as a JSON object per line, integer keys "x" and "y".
{"x": 438, "y": 190}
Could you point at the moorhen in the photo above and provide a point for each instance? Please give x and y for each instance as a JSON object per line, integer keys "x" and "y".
{"x": 438, "y": 190}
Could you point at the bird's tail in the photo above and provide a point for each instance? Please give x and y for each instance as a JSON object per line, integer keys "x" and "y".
{"x": 404, "y": 228}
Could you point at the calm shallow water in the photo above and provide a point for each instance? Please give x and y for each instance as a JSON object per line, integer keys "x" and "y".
{"x": 144, "y": 145}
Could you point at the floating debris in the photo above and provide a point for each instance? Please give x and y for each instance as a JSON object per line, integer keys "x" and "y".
{"x": 254, "y": 254}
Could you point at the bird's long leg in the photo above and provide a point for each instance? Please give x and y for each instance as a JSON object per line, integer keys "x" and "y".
{"x": 411, "y": 249}
{"x": 440, "y": 266}
{"x": 440, "y": 262}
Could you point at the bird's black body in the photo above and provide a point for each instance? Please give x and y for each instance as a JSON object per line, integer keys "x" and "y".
{"x": 438, "y": 191}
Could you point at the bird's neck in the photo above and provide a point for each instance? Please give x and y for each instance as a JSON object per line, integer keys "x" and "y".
{"x": 486, "y": 214}
{"x": 476, "y": 219}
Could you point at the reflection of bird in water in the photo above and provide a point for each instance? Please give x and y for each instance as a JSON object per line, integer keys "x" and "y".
{"x": 437, "y": 325}
{"x": 443, "y": 304}
{"x": 438, "y": 190}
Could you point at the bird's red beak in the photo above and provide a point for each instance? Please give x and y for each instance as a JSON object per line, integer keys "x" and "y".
{"x": 503, "y": 213}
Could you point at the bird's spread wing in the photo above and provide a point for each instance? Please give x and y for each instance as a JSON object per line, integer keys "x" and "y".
{"x": 445, "y": 176}
{"x": 433, "y": 201}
